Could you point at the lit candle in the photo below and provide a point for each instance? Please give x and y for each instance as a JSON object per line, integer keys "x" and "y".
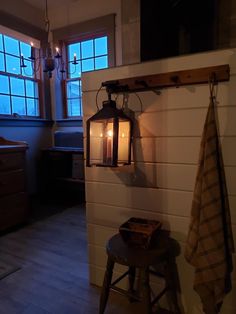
{"x": 32, "y": 54}
{"x": 109, "y": 145}
{"x": 57, "y": 52}
{"x": 74, "y": 58}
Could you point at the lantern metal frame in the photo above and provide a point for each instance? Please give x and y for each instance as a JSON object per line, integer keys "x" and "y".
{"x": 110, "y": 111}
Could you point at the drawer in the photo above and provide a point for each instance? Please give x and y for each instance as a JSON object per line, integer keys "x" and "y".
{"x": 12, "y": 182}
{"x": 11, "y": 161}
{"x": 14, "y": 209}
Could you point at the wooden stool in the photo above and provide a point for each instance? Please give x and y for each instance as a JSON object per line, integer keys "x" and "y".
{"x": 119, "y": 252}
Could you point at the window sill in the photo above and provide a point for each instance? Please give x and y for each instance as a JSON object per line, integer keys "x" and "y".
{"x": 70, "y": 122}
{"x": 10, "y": 121}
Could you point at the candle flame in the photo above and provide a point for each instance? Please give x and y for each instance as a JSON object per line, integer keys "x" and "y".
{"x": 109, "y": 133}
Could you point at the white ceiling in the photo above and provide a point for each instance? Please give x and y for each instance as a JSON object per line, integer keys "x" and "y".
{"x": 40, "y": 4}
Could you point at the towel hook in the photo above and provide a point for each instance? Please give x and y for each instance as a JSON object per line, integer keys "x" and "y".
{"x": 176, "y": 80}
{"x": 212, "y": 84}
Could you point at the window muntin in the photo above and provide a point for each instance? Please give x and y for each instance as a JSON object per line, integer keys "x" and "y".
{"x": 18, "y": 86}
{"x": 90, "y": 55}
{"x": 18, "y": 95}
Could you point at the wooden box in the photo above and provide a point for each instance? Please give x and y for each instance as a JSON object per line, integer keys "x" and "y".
{"x": 139, "y": 232}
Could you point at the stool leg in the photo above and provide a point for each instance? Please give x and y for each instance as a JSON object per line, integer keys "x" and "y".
{"x": 171, "y": 286}
{"x": 146, "y": 291}
{"x": 131, "y": 281}
{"x": 106, "y": 285}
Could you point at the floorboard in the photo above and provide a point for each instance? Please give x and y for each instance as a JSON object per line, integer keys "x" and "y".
{"x": 53, "y": 275}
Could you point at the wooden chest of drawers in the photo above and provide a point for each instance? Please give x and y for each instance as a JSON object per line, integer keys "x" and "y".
{"x": 13, "y": 196}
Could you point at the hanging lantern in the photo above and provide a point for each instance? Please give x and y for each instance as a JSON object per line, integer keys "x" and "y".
{"x": 109, "y": 134}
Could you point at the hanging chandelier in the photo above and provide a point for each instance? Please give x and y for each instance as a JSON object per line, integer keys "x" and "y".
{"x": 45, "y": 57}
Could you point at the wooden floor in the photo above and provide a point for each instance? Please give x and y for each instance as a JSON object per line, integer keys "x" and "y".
{"x": 53, "y": 277}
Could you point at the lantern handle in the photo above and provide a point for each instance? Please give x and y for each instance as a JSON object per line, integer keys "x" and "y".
{"x": 97, "y": 97}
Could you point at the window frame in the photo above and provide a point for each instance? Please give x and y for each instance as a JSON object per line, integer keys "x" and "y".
{"x": 80, "y": 39}
{"x": 10, "y": 75}
{"x": 91, "y": 29}
{"x": 36, "y": 78}
{"x": 65, "y": 99}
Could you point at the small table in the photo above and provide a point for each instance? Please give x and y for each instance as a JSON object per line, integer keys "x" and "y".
{"x": 143, "y": 259}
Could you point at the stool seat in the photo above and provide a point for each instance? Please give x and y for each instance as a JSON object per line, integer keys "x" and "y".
{"x": 123, "y": 254}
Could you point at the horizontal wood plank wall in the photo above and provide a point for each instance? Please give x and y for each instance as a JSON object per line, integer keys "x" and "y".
{"x": 159, "y": 183}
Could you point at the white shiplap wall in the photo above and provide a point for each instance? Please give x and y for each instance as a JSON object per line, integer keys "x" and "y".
{"x": 159, "y": 184}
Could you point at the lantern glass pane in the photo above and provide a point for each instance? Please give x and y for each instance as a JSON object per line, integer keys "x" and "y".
{"x": 101, "y": 142}
{"x": 123, "y": 142}
{"x": 96, "y": 142}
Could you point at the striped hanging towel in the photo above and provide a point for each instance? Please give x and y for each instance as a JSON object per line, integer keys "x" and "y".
{"x": 210, "y": 244}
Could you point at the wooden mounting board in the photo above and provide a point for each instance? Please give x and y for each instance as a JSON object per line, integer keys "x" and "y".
{"x": 220, "y": 73}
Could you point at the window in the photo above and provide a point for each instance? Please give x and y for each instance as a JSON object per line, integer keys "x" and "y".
{"x": 83, "y": 56}
{"x": 19, "y": 93}
{"x": 93, "y": 43}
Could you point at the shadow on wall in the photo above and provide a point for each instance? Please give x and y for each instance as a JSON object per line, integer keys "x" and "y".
{"x": 134, "y": 175}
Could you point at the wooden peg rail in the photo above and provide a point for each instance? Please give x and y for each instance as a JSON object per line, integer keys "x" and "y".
{"x": 220, "y": 73}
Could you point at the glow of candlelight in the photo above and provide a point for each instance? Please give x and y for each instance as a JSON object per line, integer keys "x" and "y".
{"x": 109, "y": 133}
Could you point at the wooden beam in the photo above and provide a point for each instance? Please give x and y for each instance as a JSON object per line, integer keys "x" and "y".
{"x": 219, "y": 73}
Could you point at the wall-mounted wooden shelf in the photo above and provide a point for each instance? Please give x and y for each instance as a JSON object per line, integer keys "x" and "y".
{"x": 220, "y": 73}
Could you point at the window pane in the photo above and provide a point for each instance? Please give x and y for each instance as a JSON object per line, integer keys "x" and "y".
{"x": 18, "y": 105}
{"x": 5, "y": 107}
{"x": 74, "y": 70}
{"x": 101, "y": 46}
{"x": 28, "y": 70}
{"x": 1, "y": 44}
{"x": 87, "y": 49}
{"x": 74, "y": 48}
{"x": 2, "y": 64}
{"x": 73, "y": 89}
{"x": 32, "y": 107}
{"x": 11, "y": 45}
{"x": 101, "y": 63}
{"x": 17, "y": 86}
{"x": 74, "y": 107}
{"x": 87, "y": 65}
{"x": 13, "y": 64}
{"x": 25, "y": 49}
{"x": 4, "y": 84}
{"x": 31, "y": 89}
